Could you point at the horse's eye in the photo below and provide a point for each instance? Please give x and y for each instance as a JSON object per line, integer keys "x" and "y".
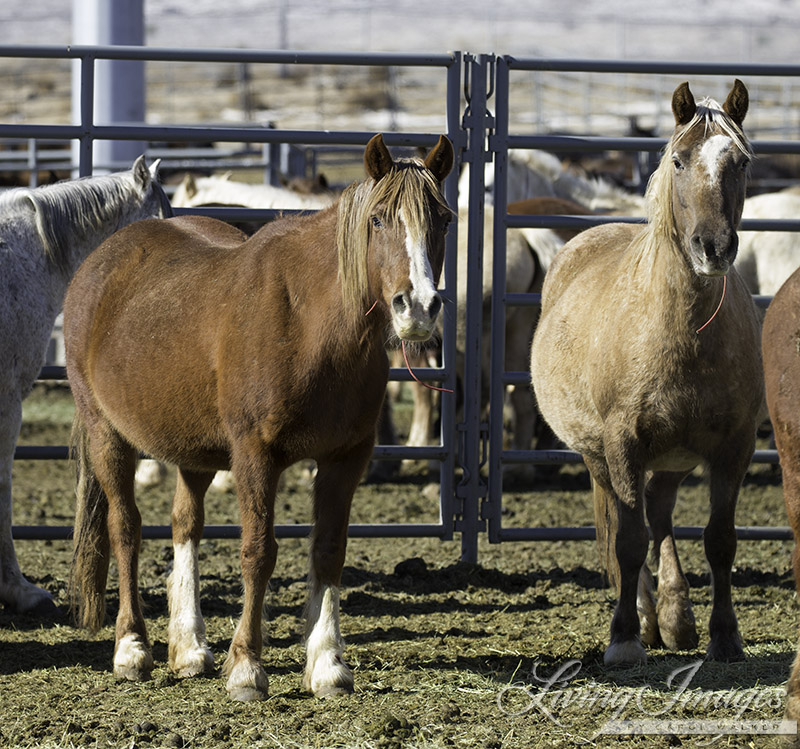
{"x": 377, "y": 223}
{"x": 676, "y": 162}
{"x": 745, "y": 163}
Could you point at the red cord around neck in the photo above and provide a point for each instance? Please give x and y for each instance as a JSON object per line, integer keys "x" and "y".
{"x": 707, "y": 322}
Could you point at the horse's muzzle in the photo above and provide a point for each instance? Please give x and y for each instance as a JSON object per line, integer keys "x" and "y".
{"x": 713, "y": 253}
{"x": 414, "y": 320}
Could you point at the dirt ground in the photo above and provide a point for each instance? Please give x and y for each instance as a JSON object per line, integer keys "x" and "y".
{"x": 505, "y": 653}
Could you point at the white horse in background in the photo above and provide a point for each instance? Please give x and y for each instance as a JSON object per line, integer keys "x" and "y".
{"x": 45, "y": 233}
{"x": 222, "y": 190}
{"x": 767, "y": 258}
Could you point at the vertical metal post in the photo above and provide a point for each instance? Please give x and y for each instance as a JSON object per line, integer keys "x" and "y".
{"x": 498, "y": 145}
{"x": 472, "y": 488}
{"x": 86, "y": 114}
{"x": 449, "y": 283}
{"x": 33, "y": 163}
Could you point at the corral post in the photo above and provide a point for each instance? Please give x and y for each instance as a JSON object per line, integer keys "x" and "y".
{"x": 498, "y": 145}
{"x": 472, "y": 431}
{"x": 119, "y": 84}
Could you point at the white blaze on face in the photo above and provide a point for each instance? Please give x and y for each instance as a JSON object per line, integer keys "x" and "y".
{"x": 712, "y": 152}
{"x": 420, "y": 271}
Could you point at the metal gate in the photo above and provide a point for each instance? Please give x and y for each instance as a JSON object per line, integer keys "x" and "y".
{"x": 470, "y": 452}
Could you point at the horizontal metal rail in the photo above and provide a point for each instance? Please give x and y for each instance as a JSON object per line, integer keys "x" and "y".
{"x": 405, "y": 530}
{"x": 301, "y": 530}
{"x": 690, "y": 532}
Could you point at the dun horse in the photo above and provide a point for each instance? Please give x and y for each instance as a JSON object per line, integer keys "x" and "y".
{"x": 781, "y": 342}
{"x": 209, "y": 352}
{"x": 646, "y": 360}
{"x": 45, "y": 233}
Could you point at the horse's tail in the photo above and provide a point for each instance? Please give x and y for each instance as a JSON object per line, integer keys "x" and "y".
{"x": 606, "y": 520}
{"x": 91, "y": 547}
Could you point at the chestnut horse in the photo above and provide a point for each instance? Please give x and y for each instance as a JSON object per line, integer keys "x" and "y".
{"x": 210, "y": 352}
{"x": 780, "y": 345}
{"x": 632, "y": 368}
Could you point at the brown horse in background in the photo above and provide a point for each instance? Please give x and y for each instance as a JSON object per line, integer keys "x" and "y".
{"x": 780, "y": 347}
{"x": 209, "y": 352}
{"x": 628, "y": 371}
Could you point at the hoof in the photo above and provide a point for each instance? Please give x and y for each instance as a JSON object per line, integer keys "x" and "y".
{"x": 677, "y": 624}
{"x": 727, "y": 650}
{"x": 23, "y": 597}
{"x": 627, "y": 653}
{"x": 128, "y": 673}
{"x": 326, "y": 692}
{"x": 247, "y": 681}
{"x": 132, "y": 659}
{"x": 45, "y": 609}
{"x": 198, "y": 663}
{"x": 246, "y": 694}
{"x": 686, "y": 640}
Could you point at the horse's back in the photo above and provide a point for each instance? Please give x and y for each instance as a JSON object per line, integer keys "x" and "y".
{"x": 143, "y": 320}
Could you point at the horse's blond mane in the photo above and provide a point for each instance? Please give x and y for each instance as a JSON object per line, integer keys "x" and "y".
{"x": 661, "y": 220}
{"x": 406, "y": 190}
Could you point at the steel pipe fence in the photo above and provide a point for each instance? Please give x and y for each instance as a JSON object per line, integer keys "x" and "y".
{"x": 477, "y": 107}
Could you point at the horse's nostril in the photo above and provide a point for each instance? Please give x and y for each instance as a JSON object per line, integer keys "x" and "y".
{"x": 435, "y": 306}
{"x": 400, "y": 303}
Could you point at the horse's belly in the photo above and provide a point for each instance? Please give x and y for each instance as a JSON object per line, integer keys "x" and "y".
{"x": 677, "y": 459}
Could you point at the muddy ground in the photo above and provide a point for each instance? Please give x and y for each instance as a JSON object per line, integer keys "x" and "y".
{"x": 505, "y": 653}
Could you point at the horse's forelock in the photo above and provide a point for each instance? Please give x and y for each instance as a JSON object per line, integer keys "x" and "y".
{"x": 711, "y": 116}
{"x": 405, "y": 191}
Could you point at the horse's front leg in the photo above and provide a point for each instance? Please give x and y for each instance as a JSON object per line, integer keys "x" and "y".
{"x": 256, "y": 485}
{"x": 626, "y": 499}
{"x": 719, "y": 539}
{"x": 326, "y": 673}
{"x": 189, "y": 653}
{"x": 676, "y": 623}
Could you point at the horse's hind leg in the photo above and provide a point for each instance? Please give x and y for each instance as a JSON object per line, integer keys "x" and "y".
{"x": 791, "y": 495}
{"x": 676, "y": 623}
{"x": 719, "y": 539}
{"x": 189, "y": 653}
{"x": 114, "y": 463}
{"x": 15, "y": 591}
{"x": 326, "y": 673}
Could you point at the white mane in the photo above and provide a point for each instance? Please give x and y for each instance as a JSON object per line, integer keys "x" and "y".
{"x": 80, "y": 210}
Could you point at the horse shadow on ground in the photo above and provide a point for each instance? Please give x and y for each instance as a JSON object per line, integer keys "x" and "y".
{"x": 664, "y": 671}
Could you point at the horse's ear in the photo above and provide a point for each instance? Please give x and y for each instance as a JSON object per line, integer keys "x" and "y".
{"x": 738, "y": 101}
{"x": 140, "y": 171}
{"x": 683, "y": 104}
{"x": 440, "y": 160}
{"x": 154, "y": 169}
{"x": 189, "y": 185}
{"x": 377, "y": 159}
